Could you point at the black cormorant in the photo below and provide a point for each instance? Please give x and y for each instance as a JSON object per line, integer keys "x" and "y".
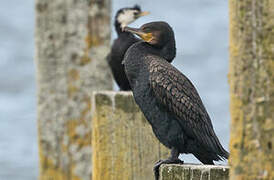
{"x": 168, "y": 99}
{"x": 123, "y": 17}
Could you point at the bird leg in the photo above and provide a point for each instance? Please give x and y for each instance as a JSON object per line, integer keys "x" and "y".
{"x": 173, "y": 159}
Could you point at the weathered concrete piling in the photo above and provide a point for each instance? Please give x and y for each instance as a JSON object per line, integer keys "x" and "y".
{"x": 72, "y": 40}
{"x": 193, "y": 172}
{"x": 123, "y": 144}
{"x": 251, "y": 79}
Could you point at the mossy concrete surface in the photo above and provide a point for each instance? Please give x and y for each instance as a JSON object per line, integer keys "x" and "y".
{"x": 251, "y": 79}
{"x": 72, "y": 40}
{"x": 123, "y": 144}
{"x": 193, "y": 172}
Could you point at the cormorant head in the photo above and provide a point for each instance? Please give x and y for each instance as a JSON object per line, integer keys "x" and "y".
{"x": 125, "y": 16}
{"x": 155, "y": 33}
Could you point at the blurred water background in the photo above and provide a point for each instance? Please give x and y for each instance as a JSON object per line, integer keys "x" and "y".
{"x": 201, "y": 29}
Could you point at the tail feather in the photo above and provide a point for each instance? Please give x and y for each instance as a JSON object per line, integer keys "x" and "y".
{"x": 224, "y": 154}
{"x": 219, "y": 150}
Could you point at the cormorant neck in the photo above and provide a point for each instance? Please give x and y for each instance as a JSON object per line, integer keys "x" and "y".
{"x": 168, "y": 52}
{"x": 118, "y": 27}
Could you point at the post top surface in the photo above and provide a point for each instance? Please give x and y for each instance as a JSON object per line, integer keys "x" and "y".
{"x": 196, "y": 166}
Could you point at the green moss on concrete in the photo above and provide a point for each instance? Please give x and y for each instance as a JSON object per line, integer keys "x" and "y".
{"x": 196, "y": 174}
{"x": 219, "y": 173}
{"x": 193, "y": 172}
{"x": 126, "y": 102}
{"x": 103, "y": 100}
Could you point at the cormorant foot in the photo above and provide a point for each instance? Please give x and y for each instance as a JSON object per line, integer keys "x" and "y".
{"x": 167, "y": 161}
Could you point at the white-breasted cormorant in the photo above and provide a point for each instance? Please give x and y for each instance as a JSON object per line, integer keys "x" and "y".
{"x": 168, "y": 99}
{"x": 124, "y": 40}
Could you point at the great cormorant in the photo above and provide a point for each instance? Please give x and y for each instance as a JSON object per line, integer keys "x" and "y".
{"x": 168, "y": 99}
{"x": 124, "y": 40}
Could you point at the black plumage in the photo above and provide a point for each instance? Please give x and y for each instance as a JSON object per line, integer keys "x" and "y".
{"x": 168, "y": 99}
{"x": 119, "y": 48}
{"x": 122, "y": 43}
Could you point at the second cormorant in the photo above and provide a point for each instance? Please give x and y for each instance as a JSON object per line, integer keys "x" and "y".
{"x": 124, "y": 40}
{"x": 168, "y": 99}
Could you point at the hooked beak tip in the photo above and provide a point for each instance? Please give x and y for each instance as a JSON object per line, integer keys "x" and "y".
{"x": 147, "y": 37}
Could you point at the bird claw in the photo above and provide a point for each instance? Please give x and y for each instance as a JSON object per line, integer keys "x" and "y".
{"x": 156, "y": 169}
{"x": 167, "y": 161}
{"x": 160, "y": 160}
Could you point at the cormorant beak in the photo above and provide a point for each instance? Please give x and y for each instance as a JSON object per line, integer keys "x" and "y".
{"x": 147, "y": 37}
{"x": 144, "y": 13}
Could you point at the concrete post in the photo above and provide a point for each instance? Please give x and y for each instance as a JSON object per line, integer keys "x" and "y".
{"x": 251, "y": 79}
{"x": 193, "y": 172}
{"x": 72, "y": 40}
{"x": 124, "y": 146}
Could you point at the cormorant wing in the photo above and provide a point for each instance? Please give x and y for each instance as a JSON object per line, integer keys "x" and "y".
{"x": 175, "y": 92}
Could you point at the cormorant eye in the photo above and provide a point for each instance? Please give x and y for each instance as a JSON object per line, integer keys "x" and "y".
{"x": 147, "y": 29}
{"x": 136, "y": 14}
